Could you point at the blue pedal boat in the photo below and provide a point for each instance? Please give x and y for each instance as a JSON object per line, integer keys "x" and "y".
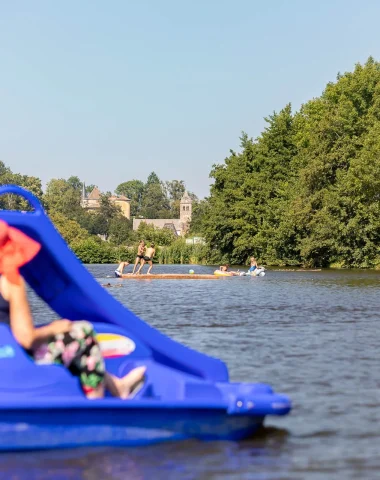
{"x": 186, "y": 394}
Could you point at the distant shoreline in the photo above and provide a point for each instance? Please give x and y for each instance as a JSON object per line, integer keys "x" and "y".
{"x": 272, "y": 268}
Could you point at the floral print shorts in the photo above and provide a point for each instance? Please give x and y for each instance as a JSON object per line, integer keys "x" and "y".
{"x": 79, "y": 351}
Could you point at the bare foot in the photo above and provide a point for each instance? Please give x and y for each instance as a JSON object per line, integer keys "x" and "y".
{"x": 96, "y": 393}
{"x": 125, "y": 385}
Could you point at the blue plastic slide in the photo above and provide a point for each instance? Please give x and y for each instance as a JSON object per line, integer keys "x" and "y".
{"x": 186, "y": 393}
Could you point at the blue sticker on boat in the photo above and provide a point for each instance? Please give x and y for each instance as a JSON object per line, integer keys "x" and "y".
{"x": 6, "y": 351}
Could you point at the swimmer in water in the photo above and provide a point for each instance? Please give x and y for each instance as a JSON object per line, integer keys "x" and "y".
{"x": 225, "y": 268}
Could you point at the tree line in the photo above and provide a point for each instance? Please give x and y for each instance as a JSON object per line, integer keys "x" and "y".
{"x": 307, "y": 190}
{"x": 104, "y": 236}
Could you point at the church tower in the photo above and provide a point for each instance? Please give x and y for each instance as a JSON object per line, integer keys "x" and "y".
{"x": 185, "y": 209}
{"x": 83, "y": 197}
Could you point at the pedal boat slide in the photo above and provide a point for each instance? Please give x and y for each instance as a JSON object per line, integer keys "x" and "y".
{"x": 186, "y": 394}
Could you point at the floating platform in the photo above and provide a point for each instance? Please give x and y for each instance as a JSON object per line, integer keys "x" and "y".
{"x": 170, "y": 276}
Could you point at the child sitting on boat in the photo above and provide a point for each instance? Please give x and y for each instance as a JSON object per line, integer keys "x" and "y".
{"x": 63, "y": 342}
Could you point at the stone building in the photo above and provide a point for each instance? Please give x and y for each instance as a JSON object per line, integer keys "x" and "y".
{"x": 179, "y": 225}
{"x": 91, "y": 201}
{"x": 186, "y": 207}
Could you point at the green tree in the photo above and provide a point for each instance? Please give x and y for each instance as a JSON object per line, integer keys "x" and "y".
{"x": 94, "y": 250}
{"x": 159, "y": 236}
{"x": 133, "y": 189}
{"x": 306, "y": 191}
{"x": 4, "y": 169}
{"x": 199, "y": 214}
{"x": 102, "y": 220}
{"x": 153, "y": 179}
{"x": 174, "y": 190}
{"x": 155, "y": 203}
{"x": 75, "y": 182}
{"x": 120, "y": 231}
{"x": 70, "y": 230}
{"x": 90, "y": 188}
{"x": 14, "y": 202}
{"x": 62, "y": 197}
{"x": 337, "y": 148}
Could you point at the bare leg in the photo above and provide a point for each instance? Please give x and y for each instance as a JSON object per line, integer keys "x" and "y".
{"x": 142, "y": 263}
{"x": 121, "y": 387}
{"x": 150, "y": 267}
{"x": 135, "y": 265}
{"x": 97, "y": 393}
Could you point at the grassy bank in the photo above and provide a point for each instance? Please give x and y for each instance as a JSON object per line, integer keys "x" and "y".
{"x": 93, "y": 250}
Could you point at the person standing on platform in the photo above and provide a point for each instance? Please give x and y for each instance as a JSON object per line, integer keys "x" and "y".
{"x": 139, "y": 257}
{"x": 148, "y": 258}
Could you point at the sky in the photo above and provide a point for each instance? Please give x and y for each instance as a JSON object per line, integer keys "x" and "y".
{"x": 111, "y": 91}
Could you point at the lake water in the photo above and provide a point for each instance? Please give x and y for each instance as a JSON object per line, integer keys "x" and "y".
{"x": 313, "y": 336}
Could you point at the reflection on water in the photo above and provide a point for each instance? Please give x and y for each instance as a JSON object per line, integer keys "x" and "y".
{"x": 312, "y": 335}
{"x": 186, "y": 460}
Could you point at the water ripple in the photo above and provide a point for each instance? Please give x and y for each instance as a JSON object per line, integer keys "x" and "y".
{"x": 313, "y": 336}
